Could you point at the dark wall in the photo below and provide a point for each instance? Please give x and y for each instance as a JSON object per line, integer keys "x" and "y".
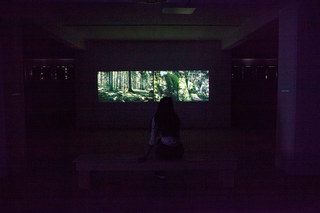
{"x": 49, "y": 97}
{"x": 49, "y": 94}
{"x": 254, "y": 79}
{"x": 152, "y": 55}
{"x": 254, "y": 93}
{"x": 12, "y": 123}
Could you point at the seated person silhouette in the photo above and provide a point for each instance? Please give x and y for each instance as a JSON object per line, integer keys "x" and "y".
{"x": 165, "y": 133}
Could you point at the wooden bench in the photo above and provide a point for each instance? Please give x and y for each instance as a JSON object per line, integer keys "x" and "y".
{"x": 225, "y": 166}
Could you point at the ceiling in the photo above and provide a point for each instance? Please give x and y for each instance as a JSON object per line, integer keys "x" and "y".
{"x": 263, "y": 43}
{"x": 76, "y": 21}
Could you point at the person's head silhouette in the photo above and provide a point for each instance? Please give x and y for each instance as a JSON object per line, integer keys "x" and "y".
{"x": 165, "y": 107}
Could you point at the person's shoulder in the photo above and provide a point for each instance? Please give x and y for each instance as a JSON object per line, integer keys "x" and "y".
{"x": 154, "y": 122}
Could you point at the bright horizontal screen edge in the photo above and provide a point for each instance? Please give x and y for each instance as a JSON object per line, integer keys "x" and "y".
{"x": 148, "y": 86}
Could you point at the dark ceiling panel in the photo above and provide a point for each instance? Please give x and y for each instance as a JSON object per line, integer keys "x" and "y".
{"x": 261, "y": 44}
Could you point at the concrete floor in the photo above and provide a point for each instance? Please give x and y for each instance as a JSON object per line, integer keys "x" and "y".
{"x": 50, "y": 182}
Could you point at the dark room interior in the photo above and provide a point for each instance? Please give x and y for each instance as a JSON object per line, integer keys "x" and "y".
{"x": 247, "y": 95}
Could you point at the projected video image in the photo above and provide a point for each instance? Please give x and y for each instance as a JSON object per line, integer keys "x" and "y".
{"x": 144, "y": 86}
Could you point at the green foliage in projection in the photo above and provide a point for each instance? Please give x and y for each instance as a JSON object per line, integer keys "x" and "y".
{"x": 144, "y": 86}
{"x": 172, "y": 82}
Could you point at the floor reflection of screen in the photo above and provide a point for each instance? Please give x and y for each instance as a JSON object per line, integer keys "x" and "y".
{"x": 144, "y": 86}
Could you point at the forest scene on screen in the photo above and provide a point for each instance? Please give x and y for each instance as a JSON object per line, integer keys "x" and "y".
{"x": 144, "y": 86}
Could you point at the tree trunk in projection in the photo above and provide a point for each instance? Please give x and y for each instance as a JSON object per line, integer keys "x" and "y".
{"x": 130, "y": 82}
{"x": 147, "y": 81}
{"x": 154, "y": 87}
{"x": 125, "y": 85}
{"x": 141, "y": 81}
{"x": 105, "y": 80}
{"x": 111, "y": 81}
{"x": 119, "y": 80}
{"x": 101, "y": 79}
{"x": 124, "y": 81}
{"x": 133, "y": 78}
{"x": 116, "y": 79}
{"x": 115, "y": 75}
{"x": 186, "y": 73}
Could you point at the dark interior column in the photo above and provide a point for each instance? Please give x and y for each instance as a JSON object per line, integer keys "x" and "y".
{"x": 298, "y": 122}
{"x": 14, "y": 108}
{"x": 3, "y": 148}
{"x": 224, "y": 97}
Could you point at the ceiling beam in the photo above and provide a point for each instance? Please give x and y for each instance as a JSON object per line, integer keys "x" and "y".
{"x": 152, "y": 32}
{"x": 252, "y": 24}
{"x": 67, "y": 36}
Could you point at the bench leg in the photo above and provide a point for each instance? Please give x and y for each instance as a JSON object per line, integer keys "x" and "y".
{"x": 84, "y": 180}
{"x": 227, "y": 178}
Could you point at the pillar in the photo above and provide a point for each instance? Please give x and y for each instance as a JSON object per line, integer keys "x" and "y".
{"x": 3, "y": 148}
{"x": 298, "y": 121}
{"x": 12, "y": 107}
